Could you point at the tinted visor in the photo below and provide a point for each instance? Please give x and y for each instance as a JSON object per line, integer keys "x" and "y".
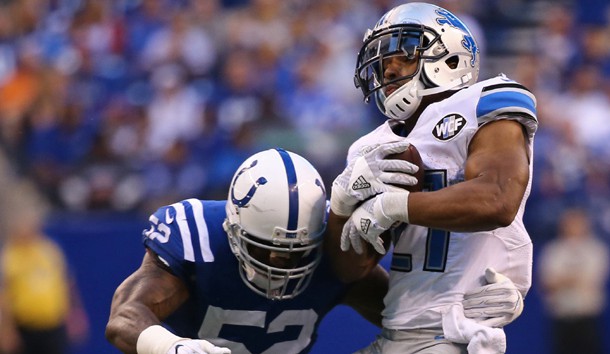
{"x": 399, "y": 42}
{"x": 410, "y": 41}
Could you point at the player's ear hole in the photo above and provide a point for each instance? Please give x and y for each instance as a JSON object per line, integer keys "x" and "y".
{"x": 452, "y": 62}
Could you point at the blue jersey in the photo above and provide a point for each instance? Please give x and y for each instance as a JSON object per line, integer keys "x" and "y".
{"x": 188, "y": 236}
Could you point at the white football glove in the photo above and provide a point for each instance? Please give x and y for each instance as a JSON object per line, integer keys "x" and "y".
{"x": 158, "y": 340}
{"x": 367, "y": 222}
{"x": 495, "y": 304}
{"x": 196, "y": 346}
{"x": 369, "y": 175}
{"x": 372, "y": 218}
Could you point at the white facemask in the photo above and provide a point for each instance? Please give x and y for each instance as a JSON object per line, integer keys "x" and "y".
{"x": 260, "y": 280}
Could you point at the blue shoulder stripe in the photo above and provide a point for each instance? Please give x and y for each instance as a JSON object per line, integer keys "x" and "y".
{"x": 509, "y": 98}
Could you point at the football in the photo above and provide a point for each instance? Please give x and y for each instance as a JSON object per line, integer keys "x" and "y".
{"x": 412, "y": 155}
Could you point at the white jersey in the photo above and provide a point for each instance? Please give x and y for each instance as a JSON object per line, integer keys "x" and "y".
{"x": 431, "y": 269}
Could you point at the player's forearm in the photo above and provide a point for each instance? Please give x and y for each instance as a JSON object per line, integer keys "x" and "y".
{"x": 467, "y": 206}
{"x": 348, "y": 266}
{"x": 126, "y": 324}
{"x": 145, "y": 298}
{"x": 496, "y": 175}
{"x": 366, "y": 296}
{"x": 129, "y": 316}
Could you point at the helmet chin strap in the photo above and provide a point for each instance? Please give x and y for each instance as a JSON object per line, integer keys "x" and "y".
{"x": 431, "y": 91}
{"x": 464, "y": 79}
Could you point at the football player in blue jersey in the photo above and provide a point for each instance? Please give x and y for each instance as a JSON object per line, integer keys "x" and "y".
{"x": 420, "y": 64}
{"x": 245, "y": 275}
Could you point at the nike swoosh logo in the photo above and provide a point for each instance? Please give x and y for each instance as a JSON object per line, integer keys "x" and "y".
{"x": 178, "y": 347}
{"x": 168, "y": 218}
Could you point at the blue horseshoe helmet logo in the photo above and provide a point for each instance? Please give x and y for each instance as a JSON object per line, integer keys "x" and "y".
{"x": 245, "y": 200}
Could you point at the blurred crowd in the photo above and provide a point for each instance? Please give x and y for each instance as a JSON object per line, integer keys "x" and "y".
{"x": 124, "y": 104}
{"x": 130, "y": 104}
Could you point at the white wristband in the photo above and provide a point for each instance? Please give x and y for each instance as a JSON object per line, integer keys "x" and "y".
{"x": 155, "y": 340}
{"x": 395, "y": 205}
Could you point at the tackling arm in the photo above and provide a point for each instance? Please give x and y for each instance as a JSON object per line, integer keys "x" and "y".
{"x": 348, "y": 265}
{"x": 366, "y": 295}
{"x": 146, "y": 297}
{"x": 368, "y": 280}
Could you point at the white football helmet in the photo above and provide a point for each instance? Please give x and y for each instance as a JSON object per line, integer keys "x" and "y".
{"x": 276, "y": 202}
{"x": 447, "y": 54}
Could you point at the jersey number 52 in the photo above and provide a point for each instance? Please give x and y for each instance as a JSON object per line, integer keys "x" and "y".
{"x": 216, "y": 317}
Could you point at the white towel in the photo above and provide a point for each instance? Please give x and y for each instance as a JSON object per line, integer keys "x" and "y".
{"x": 481, "y": 339}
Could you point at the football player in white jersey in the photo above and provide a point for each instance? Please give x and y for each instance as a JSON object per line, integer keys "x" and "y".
{"x": 420, "y": 64}
{"x": 247, "y": 274}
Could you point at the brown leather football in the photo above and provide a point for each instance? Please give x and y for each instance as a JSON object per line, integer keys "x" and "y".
{"x": 412, "y": 155}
